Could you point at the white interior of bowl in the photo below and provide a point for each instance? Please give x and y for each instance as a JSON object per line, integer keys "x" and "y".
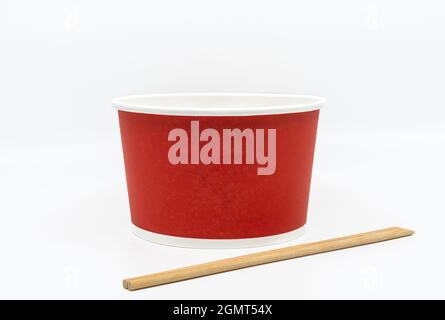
{"x": 218, "y": 104}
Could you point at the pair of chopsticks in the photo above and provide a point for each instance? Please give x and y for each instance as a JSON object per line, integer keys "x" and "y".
{"x": 263, "y": 257}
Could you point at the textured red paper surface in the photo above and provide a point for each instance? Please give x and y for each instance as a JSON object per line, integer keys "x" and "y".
{"x": 217, "y": 201}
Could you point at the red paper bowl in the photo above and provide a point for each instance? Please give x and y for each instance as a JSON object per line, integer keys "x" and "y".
{"x": 218, "y": 170}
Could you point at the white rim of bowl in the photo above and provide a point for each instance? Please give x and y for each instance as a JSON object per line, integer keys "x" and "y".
{"x": 197, "y": 243}
{"x": 312, "y": 103}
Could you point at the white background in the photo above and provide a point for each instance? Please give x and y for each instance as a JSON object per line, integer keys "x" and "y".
{"x": 64, "y": 215}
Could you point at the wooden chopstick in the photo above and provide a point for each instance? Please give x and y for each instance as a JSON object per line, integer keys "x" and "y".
{"x": 263, "y": 257}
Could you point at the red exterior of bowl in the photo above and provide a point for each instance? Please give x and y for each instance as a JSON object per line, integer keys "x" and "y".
{"x": 217, "y": 201}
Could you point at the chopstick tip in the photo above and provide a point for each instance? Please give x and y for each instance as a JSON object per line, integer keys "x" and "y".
{"x": 126, "y": 284}
{"x": 407, "y": 232}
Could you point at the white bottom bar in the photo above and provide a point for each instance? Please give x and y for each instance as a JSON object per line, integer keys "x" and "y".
{"x": 216, "y": 243}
